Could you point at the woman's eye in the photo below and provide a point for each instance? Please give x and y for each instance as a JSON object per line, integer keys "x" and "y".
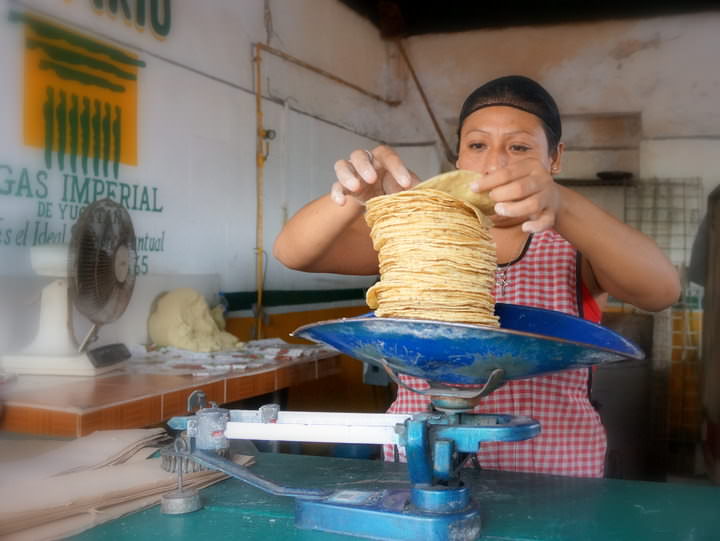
{"x": 477, "y": 146}
{"x": 519, "y": 148}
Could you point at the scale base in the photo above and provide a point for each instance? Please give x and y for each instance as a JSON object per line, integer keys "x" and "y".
{"x": 385, "y": 515}
{"x": 75, "y": 365}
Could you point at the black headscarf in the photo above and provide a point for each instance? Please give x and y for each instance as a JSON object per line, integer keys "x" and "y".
{"x": 519, "y": 92}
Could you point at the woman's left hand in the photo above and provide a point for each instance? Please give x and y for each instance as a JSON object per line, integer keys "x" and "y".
{"x": 523, "y": 189}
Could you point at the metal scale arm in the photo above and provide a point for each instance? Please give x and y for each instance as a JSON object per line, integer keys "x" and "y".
{"x": 213, "y": 461}
{"x": 436, "y": 506}
{"x": 208, "y": 442}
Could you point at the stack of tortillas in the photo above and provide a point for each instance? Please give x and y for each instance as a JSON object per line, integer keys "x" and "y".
{"x": 437, "y": 258}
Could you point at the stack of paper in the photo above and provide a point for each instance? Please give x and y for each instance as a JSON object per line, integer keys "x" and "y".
{"x": 96, "y": 479}
{"x": 99, "y": 449}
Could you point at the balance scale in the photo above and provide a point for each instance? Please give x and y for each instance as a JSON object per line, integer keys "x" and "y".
{"x": 435, "y": 505}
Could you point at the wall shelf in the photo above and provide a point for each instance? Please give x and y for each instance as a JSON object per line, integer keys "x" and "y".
{"x": 596, "y": 182}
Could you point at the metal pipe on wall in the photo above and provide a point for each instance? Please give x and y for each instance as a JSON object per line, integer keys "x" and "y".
{"x": 260, "y": 196}
{"x": 449, "y": 154}
{"x": 326, "y": 74}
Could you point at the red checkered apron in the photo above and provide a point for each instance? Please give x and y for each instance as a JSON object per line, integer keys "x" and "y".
{"x": 572, "y": 441}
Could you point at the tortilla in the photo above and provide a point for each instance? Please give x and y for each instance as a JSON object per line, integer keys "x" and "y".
{"x": 457, "y": 183}
{"x": 437, "y": 257}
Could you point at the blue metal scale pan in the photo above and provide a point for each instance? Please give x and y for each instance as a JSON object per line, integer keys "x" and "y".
{"x": 529, "y": 342}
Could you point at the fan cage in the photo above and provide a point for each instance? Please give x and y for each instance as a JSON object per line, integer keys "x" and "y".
{"x": 101, "y": 285}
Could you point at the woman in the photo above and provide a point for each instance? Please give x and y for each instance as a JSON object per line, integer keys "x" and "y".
{"x": 555, "y": 250}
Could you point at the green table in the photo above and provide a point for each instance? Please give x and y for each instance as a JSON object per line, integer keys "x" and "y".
{"x": 514, "y": 506}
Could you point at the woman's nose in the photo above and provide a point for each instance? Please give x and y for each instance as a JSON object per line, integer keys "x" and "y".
{"x": 496, "y": 159}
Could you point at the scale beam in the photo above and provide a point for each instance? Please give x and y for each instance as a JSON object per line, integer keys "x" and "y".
{"x": 315, "y": 427}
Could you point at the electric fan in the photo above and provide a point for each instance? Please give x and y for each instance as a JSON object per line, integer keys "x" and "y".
{"x": 95, "y": 274}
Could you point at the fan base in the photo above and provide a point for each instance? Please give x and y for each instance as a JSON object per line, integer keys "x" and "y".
{"x": 75, "y": 365}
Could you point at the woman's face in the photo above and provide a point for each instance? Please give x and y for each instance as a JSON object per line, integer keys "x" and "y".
{"x": 493, "y": 137}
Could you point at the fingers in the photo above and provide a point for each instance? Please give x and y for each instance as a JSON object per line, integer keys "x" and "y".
{"x": 356, "y": 178}
{"x": 367, "y": 174}
{"x": 337, "y": 194}
{"x": 505, "y": 175}
{"x": 389, "y": 160}
{"x": 520, "y": 188}
{"x": 542, "y": 222}
{"x": 523, "y": 189}
{"x": 528, "y": 207}
{"x": 540, "y": 215}
{"x": 364, "y": 166}
{"x": 540, "y": 209}
{"x": 348, "y": 177}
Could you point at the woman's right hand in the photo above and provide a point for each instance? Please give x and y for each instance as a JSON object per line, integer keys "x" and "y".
{"x": 369, "y": 174}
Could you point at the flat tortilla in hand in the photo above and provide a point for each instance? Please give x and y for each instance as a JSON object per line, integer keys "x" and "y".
{"x": 457, "y": 183}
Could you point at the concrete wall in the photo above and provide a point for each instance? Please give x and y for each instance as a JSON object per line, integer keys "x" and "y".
{"x": 660, "y": 71}
{"x": 195, "y": 137}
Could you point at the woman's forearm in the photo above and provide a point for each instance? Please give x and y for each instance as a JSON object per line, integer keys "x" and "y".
{"x": 326, "y": 237}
